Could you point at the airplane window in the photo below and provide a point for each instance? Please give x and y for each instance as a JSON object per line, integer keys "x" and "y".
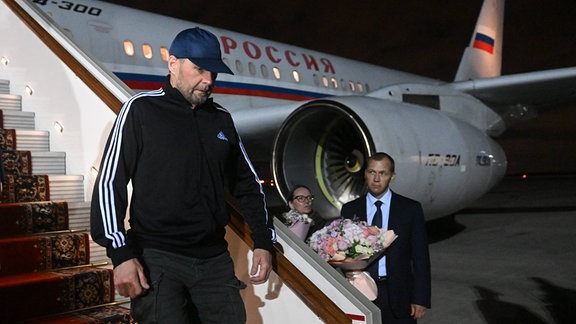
{"x": 296, "y": 76}
{"x": 343, "y": 84}
{"x": 334, "y": 83}
{"x": 352, "y": 87}
{"x": 147, "y": 50}
{"x": 325, "y": 81}
{"x": 164, "y": 53}
{"x": 264, "y": 70}
{"x": 239, "y": 67}
{"x": 128, "y": 48}
{"x": 367, "y": 87}
{"x": 276, "y": 73}
{"x": 252, "y": 68}
{"x": 360, "y": 87}
{"x": 316, "y": 80}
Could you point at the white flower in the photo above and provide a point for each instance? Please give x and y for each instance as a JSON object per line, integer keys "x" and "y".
{"x": 293, "y": 216}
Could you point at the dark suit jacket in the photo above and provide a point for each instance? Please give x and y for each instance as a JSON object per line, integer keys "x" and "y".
{"x": 407, "y": 258}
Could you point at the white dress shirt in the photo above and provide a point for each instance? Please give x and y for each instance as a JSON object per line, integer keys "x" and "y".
{"x": 370, "y": 211}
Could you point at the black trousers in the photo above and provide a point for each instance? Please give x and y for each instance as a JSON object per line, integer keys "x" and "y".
{"x": 383, "y": 302}
{"x": 188, "y": 290}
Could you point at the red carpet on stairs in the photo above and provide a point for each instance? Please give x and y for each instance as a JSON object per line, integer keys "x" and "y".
{"x": 17, "y": 162}
{"x": 33, "y": 295}
{"x": 25, "y": 188}
{"x": 43, "y": 253}
{"x": 7, "y": 139}
{"x": 33, "y": 217}
{"x": 114, "y": 314}
{"x": 45, "y": 276}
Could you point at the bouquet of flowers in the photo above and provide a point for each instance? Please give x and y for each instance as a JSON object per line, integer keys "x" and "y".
{"x": 298, "y": 223}
{"x": 345, "y": 240}
{"x": 352, "y": 246}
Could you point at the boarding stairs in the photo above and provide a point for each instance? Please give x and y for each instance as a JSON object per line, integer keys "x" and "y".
{"x": 58, "y": 288}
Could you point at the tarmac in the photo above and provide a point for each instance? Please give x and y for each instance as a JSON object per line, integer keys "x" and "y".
{"x": 509, "y": 258}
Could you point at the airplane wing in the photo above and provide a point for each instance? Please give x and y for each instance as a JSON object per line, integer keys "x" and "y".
{"x": 534, "y": 89}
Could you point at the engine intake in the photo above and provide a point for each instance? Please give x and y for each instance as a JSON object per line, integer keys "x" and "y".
{"x": 323, "y": 145}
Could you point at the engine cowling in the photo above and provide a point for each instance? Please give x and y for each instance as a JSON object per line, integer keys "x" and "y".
{"x": 444, "y": 163}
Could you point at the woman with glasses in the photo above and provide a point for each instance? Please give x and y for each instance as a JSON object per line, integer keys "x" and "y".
{"x": 300, "y": 202}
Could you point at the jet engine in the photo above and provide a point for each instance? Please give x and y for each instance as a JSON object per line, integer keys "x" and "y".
{"x": 443, "y": 162}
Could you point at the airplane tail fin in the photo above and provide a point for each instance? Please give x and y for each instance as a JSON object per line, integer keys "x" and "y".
{"x": 483, "y": 57}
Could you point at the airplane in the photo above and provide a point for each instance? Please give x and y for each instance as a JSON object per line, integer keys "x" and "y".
{"x": 313, "y": 118}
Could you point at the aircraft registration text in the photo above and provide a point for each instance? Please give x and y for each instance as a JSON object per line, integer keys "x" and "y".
{"x": 435, "y": 159}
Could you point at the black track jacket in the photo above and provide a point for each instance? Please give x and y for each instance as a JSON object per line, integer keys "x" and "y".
{"x": 180, "y": 161}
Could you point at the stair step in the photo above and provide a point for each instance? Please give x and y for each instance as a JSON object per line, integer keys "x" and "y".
{"x": 33, "y": 217}
{"x": 16, "y": 162}
{"x": 4, "y": 86}
{"x": 50, "y": 163}
{"x": 10, "y": 102}
{"x": 47, "y": 293}
{"x": 67, "y": 187}
{"x": 20, "y": 255}
{"x": 19, "y": 119}
{"x": 79, "y": 219}
{"x": 117, "y": 314}
{"x": 79, "y": 215}
{"x": 25, "y": 188}
{"x": 44, "y": 295}
{"x": 32, "y": 140}
{"x": 98, "y": 254}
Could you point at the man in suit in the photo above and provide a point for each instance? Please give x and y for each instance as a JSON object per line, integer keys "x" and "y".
{"x": 403, "y": 273}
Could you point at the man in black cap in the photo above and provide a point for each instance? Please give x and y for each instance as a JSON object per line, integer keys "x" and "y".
{"x": 181, "y": 152}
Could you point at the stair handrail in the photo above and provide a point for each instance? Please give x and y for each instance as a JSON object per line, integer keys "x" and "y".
{"x": 303, "y": 287}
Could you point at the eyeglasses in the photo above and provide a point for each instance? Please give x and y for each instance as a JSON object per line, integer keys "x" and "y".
{"x": 303, "y": 198}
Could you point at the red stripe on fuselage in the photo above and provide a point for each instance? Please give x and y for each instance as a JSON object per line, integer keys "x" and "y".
{"x": 261, "y": 93}
{"x": 147, "y": 85}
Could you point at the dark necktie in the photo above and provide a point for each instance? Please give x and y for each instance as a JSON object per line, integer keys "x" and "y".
{"x": 377, "y": 220}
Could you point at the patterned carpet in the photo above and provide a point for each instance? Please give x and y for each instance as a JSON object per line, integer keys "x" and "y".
{"x": 45, "y": 275}
{"x": 25, "y": 188}
{"x": 39, "y": 294}
{"x": 17, "y": 162}
{"x": 43, "y": 253}
{"x": 7, "y": 139}
{"x": 35, "y": 217}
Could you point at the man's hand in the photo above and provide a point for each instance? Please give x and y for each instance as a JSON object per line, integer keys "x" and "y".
{"x": 129, "y": 279}
{"x": 418, "y": 311}
{"x": 261, "y": 266}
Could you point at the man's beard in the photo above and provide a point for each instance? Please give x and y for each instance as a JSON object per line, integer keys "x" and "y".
{"x": 197, "y": 100}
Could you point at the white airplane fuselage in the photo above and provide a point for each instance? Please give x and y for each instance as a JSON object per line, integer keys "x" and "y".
{"x": 313, "y": 118}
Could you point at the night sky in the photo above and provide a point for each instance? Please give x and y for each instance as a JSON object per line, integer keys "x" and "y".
{"x": 422, "y": 37}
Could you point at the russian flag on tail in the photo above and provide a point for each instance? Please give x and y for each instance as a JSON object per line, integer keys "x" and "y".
{"x": 484, "y": 42}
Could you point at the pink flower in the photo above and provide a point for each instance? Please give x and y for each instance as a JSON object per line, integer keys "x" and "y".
{"x": 344, "y": 238}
